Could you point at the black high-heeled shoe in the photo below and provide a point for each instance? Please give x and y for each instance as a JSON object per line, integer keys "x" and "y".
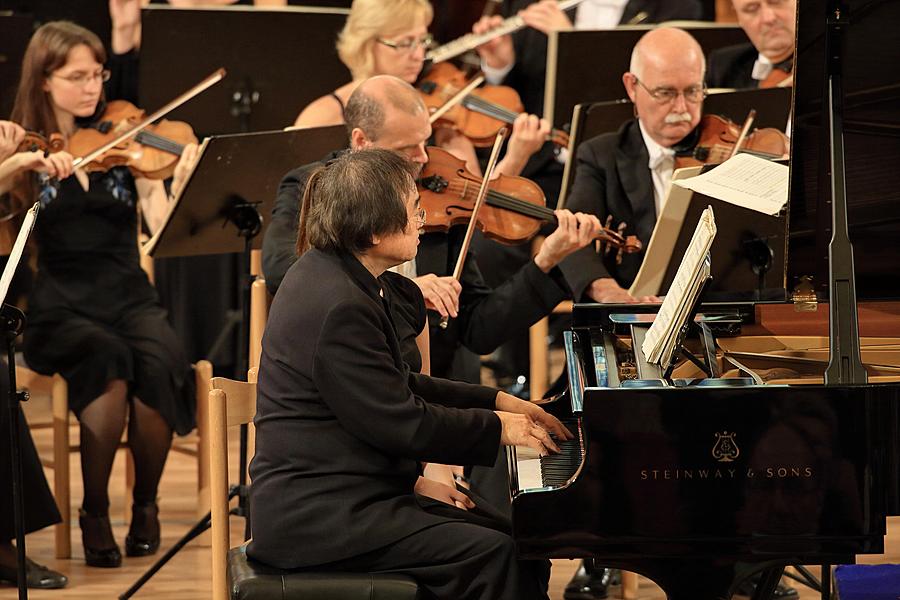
{"x": 143, "y": 535}
{"x": 100, "y": 548}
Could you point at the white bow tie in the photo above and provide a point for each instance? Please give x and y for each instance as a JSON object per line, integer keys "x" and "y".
{"x": 761, "y": 69}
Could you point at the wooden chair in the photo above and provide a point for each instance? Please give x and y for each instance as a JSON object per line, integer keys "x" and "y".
{"x": 233, "y": 403}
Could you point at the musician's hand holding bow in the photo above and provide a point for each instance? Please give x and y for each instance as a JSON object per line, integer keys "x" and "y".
{"x": 11, "y": 135}
{"x": 441, "y": 293}
{"x": 575, "y": 231}
{"x": 499, "y": 52}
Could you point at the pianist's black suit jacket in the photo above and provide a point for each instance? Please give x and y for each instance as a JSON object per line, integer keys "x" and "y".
{"x": 488, "y": 317}
{"x": 612, "y": 178}
{"x": 341, "y": 421}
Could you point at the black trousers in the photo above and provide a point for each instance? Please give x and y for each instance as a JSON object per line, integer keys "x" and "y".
{"x": 466, "y": 559}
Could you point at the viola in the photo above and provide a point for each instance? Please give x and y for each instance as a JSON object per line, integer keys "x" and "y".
{"x": 481, "y": 113}
{"x": 514, "y": 208}
{"x": 152, "y": 153}
{"x": 717, "y": 138}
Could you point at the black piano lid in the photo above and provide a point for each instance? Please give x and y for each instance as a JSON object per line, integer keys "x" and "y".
{"x": 871, "y": 81}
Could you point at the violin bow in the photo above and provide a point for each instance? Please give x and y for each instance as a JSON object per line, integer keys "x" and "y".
{"x": 456, "y": 99}
{"x": 207, "y": 83}
{"x": 751, "y": 116}
{"x": 479, "y": 201}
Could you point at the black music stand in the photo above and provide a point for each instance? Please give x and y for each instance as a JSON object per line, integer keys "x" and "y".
{"x": 591, "y": 119}
{"x": 222, "y": 209}
{"x": 15, "y": 31}
{"x": 572, "y": 80}
{"x": 749, "y": 251}
{"x": 278, "y": 61}
{"x": 12, "y": 323}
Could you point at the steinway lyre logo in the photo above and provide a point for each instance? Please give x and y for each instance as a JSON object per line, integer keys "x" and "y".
{"x": 725, "y": 448}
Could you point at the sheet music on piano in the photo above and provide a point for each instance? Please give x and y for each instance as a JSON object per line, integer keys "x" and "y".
{"x": 659, "y": 344}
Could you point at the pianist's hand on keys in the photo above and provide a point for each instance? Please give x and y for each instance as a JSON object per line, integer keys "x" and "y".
{"x": 529, "y": 425}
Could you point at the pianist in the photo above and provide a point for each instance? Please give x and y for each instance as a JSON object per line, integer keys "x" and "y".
{"x": 343, "y": 425}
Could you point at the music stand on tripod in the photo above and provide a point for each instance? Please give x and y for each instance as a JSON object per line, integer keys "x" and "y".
{"x": 12, "y": 320}
{"x": 221, "y": 209}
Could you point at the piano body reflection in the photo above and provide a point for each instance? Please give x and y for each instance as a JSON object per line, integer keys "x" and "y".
{"x": 697, "y": 475}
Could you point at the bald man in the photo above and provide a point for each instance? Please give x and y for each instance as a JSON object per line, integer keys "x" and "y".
{"x": 626, "y": 174}
{"x": 768, "y": 60}
{"x": 386, "y": 112}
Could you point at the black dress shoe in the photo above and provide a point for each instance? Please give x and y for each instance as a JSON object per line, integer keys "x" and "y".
{"x": 143, "y": 535}
{"x": 782, "y": 591}
{"x": 588, "y": 584}
{"x": 100, "y": 548}
{"x": 37, "y": 576}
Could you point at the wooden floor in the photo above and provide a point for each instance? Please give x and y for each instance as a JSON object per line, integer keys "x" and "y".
{"x": 187, "y": 577}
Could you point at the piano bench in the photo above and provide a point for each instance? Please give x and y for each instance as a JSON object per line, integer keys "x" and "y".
{"x": 251, "y": 580}
{"x": 867, "y": 582}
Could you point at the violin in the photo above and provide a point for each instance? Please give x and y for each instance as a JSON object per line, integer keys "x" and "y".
{"x": 717, "y": 138}
{"x": 479, "y": 114}
{"x": 36, "y": 142}
{"x": 152, "y": 153}
{"x": 514, "y": 207}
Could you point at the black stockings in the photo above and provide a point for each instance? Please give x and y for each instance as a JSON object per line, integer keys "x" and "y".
{"x": 149, "y": 438}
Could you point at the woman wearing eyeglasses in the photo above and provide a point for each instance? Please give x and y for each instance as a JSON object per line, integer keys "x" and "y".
{"x": 93, "y": 315}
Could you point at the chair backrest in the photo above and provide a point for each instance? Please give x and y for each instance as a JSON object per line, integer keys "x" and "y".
{"x": 259, "y": 313}
{"x": 231, "y": 403}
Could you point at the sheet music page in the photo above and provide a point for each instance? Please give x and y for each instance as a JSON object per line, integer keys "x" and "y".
{"x": 660, "y": 339}
{"x": 18, "y": 248}
{"x": 745, "y": 180}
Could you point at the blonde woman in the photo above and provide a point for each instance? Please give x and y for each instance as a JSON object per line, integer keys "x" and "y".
{"x": 390, "y": 37}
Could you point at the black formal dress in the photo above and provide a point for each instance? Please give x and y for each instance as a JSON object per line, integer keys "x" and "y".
{"x": 612, "y": 178}
{"x": 40, "y": 507}
{"x": 93, "y": 315}
{"x": 732, "y": 67}
{"x": 342, "y": 425}
{"x": 487, "y": 317}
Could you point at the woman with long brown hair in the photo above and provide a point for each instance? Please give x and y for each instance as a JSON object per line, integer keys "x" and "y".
{"x": 93, "y": 315}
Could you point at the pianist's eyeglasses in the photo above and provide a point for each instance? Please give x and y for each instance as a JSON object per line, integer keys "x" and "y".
{"x": 418, "y": 217}
{"x": 409, "y": 45}
{"x": 666, "y": 95}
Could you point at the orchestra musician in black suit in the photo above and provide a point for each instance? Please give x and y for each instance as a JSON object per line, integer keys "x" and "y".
{"x": 768, "y": 59}
{"x": 481, "y": 317}
{"x": 626, "y": 174}
{"x": 343, "y": 425}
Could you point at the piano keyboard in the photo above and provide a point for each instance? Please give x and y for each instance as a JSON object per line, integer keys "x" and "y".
{"x": 553, "y": 471}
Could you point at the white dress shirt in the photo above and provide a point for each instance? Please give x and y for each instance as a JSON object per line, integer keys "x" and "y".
{"x": 661, "y": 165}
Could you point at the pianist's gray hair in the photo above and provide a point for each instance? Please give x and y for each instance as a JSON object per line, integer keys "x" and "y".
{"x": 355, "y": 197}
{"x": 373, "y": 19}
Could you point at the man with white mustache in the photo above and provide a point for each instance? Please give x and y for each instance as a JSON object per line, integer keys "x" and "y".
{"x": 769, "y": 59}
{"x": 626, "y": 174}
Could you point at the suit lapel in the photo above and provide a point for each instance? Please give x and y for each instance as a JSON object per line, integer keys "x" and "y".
{"x": 634, "y": 174}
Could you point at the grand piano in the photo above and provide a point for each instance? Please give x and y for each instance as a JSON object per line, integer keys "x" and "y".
{"x": 780, "y": 444}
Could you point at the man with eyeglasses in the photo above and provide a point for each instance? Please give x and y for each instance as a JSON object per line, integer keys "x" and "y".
{"x": 768, "y": 60}
{"x": 625, "y": 175}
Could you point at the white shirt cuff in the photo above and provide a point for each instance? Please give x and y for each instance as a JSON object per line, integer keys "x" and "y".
{"x": 496, "y": 76}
